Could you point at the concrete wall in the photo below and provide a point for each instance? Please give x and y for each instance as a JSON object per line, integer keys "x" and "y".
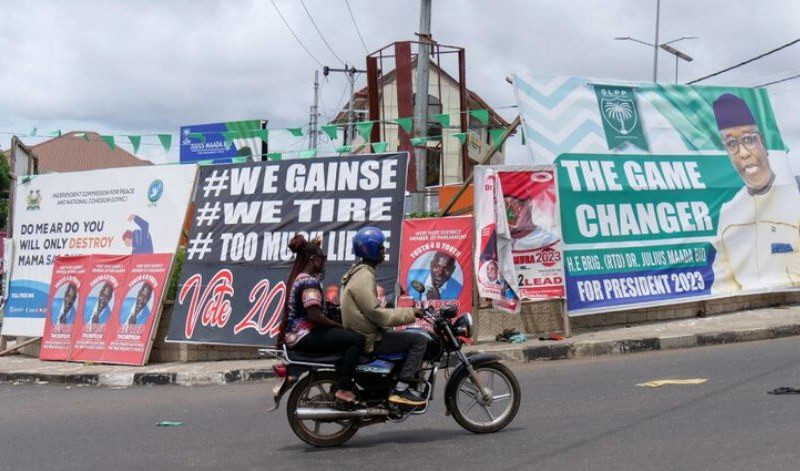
{"x": 545, "y": 317}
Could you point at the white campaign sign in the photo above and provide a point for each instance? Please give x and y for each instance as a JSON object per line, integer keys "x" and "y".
{"x": 111, "y": 211}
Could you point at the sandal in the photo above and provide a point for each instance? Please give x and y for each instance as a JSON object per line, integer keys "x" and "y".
{"x": 345, "y": 404}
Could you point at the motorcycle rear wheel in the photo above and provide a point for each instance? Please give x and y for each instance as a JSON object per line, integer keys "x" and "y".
{"x": 475, "y": 414}
{"x": 317, "y": 390}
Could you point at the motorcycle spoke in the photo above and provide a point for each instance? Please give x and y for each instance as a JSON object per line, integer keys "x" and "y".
{"x": 489, "y": 413}
{"x": 317, "y": 425}
{"x": 474, "y": 401}
{"x": 501, "y": 397}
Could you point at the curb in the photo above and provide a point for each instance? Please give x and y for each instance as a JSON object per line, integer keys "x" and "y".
{"x": 154, "y": 378}
{"x": 547, "y": 350}
{"x": 567, "y": 350}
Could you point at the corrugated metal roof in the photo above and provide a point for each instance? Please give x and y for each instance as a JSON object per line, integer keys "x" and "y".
{"x": 71, "y": 153}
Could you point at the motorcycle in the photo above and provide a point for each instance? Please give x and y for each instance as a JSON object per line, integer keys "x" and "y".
{"x": 481, "y": 393}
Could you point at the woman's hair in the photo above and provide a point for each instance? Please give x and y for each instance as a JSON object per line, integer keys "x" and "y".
{"x": 303, "y": 250}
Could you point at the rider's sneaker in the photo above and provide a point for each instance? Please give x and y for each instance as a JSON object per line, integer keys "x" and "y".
{"x": 406, "y": 397}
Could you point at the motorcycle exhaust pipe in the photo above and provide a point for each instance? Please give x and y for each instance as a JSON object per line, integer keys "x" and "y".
{"x": 324, "y": 413}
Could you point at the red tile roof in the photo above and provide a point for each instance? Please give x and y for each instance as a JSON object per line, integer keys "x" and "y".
{"x": 71, "y": 153}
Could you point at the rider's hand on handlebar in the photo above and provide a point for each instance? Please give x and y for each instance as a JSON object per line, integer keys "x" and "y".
{"x": 419, "y": 313}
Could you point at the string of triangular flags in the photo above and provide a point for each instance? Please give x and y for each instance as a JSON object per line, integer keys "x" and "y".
{"x": 363, "y": 128}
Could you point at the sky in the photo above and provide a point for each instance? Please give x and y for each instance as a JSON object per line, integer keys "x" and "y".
{"x": 149, "y": 67}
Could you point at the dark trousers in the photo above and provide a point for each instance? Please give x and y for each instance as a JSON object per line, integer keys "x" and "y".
{"x": 336, "y": 341}
{"x": 412, "y": 343}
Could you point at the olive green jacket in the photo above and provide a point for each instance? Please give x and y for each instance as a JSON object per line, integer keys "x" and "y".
{"x": 361, "y": 311}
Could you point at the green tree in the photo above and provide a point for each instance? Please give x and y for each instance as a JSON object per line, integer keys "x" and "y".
{"x": 5, "y": 183}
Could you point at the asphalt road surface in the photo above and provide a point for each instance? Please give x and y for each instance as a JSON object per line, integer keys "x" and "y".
{"x": 575, "y": 415}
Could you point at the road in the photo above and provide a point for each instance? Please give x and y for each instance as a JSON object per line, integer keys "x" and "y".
{"x": 576, "y": 415}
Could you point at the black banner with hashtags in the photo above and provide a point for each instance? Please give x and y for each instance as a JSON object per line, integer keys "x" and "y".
{"x": 233, "y": 282}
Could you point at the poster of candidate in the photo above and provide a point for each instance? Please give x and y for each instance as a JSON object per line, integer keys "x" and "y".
{"x": 232, "y": 286}
{"x": 436, "y": 263}
{"x": 63, "y": 307}
{"x": 667, "y": 192}
{"x": 520, "y": 251}
{"x": 133, "y": 321}
{"x": 103, "y": 277}
{"x": 119, "y": 211}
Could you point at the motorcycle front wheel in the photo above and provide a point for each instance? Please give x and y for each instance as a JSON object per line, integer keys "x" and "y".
{"x": 317, "y": 390}
{"x": 472, "y": 411}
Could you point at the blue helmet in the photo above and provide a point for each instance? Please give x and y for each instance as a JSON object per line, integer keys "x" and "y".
{"x": 367, "y": 243}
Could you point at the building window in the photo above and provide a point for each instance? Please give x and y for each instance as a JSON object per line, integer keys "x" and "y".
{"x": 434, "y": 131}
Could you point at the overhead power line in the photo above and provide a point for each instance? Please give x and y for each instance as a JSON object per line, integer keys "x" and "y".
{"x": 358, "y": 31}
{"x": 320, "y": 32}
{"x": 295, "y": 34}
{"x": 785, "y": 79}
{"x": 745, "y": 62}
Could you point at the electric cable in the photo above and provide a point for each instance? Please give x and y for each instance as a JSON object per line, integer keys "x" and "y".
{"x": 358, "y": 31}
{"x": 320, "y": 33}
{"x": 295, "y": 34}
{"x": 745, "y": 62}
{"x": 785, "y": 79}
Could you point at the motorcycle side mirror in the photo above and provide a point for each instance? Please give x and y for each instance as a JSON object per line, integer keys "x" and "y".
{"x": 449, "y": 312}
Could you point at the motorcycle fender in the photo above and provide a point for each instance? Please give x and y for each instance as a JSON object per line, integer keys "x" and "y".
{"x": 474, "y": 360}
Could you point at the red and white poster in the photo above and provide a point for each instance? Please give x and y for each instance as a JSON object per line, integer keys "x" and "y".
{"x": 435, "y": 263}
{"x": 63, "y": 305}
{"x": 520, "y": 252}
{"x": 138, "y": 307}
{"x": 104, "y": 308}
{"x": 105, "y": 274}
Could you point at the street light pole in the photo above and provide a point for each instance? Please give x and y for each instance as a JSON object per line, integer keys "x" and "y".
{"x": 665, "y": 46}
{"x": 655, "y": 43}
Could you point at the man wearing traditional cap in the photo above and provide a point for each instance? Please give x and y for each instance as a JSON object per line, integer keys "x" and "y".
{"x": 523, "y": 195}
{"x": 758, "y": 244}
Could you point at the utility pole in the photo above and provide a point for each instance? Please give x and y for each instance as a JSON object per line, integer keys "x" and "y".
{"x": 421, "y": 104}
{"x": 655, "y": 43}
{"x": 313, "y": 122}
{"x": 351, "y": 72}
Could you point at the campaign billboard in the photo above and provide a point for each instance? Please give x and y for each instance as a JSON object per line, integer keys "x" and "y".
{"x": 221, "y": 142}
{"x": 232, "y": 286}
{"x": 519, "y": 251}
{"x": 104, "y": 308}
{"x": 436, "y": 264}
{"x": 667, "y": 192}
{"x": 119, "y": 211}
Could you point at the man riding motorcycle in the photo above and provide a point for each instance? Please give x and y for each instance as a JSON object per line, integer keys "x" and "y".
{"x": 361, "y": 313}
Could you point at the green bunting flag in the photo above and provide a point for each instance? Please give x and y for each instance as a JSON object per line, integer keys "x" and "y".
{"x": 166, "y": 141}
{"x": 240, "y": 160}
{"x": 330, "y": 130}
{"x": 197, "y": 136}
{"x": 56, "y": 133}
{"x": 308, "y": 154}
{"x": 405, "y": 123}
{"x": 444, "y": 119}
{"x": 480, "y": 115}
{"x": 461, "y": 136}
{"x": 83, "y": 135}
{"x": 296, "y": 132}
{"x": 379, "y": 147}
{"x": 522, "y": 133}
{"x": 344, "y": 149}
{"x": 109, "y": 140}
{"x": 206, "y": 162}
{"x": 33, "y": 132}
{"x": 496, "y": 134}
{"x": 364, "y": 129}
{"x": 274, "y": 156}
{"x": 135, "y": 142}
{"x": 418, "y": 141}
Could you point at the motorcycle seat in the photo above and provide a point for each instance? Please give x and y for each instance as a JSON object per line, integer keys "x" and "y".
{"x": 309, "y": 357}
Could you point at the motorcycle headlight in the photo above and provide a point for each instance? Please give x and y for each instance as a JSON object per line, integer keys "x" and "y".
{"x": 463, "y": 326}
